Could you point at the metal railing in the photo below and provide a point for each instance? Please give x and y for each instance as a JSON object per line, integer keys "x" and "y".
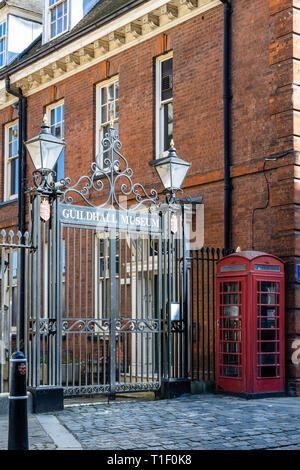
{"x": 14, "y": 263}
{"x": 202, "y": 304}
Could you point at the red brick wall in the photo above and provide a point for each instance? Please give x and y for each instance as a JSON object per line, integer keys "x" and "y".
{"x": 264, "y": 123}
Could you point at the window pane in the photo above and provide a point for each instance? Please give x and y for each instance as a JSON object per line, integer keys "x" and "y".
{"x": 268, "y": 286}
{"x": 14, "y": 308}
{"x": 268, "y": 299}
{"x": 231, "y": 371}
{"x": 13, "y": 175}
{"x": 58, "y": 113}
{"x": 167, "y": 79}
{"x": 59, "y": 27}
{"x": 2, "y": 43}
{"x": 111, "y": 93}
{"x": 109, "y": 113}
{"x": 59, "y": 18}
{"x": 268, "y": 347}
{"x": 53, "y": 30}
{"x": 269, "y": 371}
{"x": 57, "y": 129}
{"x": 103, "y": 100}
{"x": 103, "y": 114}
{"x": 168, "y": 125}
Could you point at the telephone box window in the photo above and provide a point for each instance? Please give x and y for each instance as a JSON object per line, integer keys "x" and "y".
{"x": 268, "y": 339}
{"x": 231, "y": 329}
{"x": 262, "y": 267}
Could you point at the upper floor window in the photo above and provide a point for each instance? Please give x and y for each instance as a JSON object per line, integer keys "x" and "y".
{"x": 164, "y": 104}
{"x": 59, "y": 17}
{"x": 11, "y": 161}
{"x": 3, "y": 44}
{"x": 56, "y": 119}
{"x": 107, "y": 114}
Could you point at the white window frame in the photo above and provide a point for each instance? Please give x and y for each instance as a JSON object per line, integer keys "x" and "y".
{"x": 159, "y": 106}
{"x": 49, "y": 110}
{"x": 7, "y": 167}
{"x": 4, "y": 39}
{"x": 100, "y": 126}
{"x": 50, "y": 8}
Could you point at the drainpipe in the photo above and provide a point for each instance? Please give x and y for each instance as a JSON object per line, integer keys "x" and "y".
{"x": 22, "y": 134}
{"x": 227, "y": 98}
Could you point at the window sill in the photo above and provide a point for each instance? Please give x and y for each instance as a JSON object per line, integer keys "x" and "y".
{"x": 4, "y": 203}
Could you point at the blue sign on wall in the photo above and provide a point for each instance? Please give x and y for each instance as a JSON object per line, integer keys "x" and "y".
{"x": 298, "y": 272}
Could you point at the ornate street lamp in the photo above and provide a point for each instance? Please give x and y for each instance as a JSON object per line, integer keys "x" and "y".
{"x": 172, "y": 172}
{"x": 44, "y": 150}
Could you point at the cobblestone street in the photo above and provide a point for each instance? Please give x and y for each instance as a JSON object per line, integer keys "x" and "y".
{"x": 191, "y": 422}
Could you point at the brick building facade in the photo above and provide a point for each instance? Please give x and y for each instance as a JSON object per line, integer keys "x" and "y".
{"x": 125, "y": 44}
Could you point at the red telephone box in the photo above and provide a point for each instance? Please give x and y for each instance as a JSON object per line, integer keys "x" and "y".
{"x": 250, "y": 324}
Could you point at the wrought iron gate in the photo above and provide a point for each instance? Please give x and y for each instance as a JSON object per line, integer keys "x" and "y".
{"x": 108, "y": 285}
{"x": 111, "y": 318}
{"x": 113, "y": 300}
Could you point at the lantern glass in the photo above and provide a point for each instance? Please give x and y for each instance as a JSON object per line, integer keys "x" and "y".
{"x": 34, "y": 151}
{"x": 178, "y": 173}
{"x": 164, "y": 173}
{"x": 50, "y": 152}
{"x": 172, "y": 172}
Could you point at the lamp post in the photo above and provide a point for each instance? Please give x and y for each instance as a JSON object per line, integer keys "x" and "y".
{"x": 44, "y": 151}
{"x": 172, "y": 171}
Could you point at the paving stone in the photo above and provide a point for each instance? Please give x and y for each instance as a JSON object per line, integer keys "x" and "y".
{"x": 188, "y": 422}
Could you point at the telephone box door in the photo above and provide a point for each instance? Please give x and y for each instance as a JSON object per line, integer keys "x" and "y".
{"x": 269, "y": 333}
{"x": 230, "y": 336}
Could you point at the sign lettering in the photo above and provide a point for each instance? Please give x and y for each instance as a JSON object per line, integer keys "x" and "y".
{"x": 111, "y": 218}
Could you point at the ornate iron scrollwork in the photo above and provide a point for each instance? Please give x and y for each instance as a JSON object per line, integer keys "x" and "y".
{"x": 115, "y": 174}
{"x": 138, "y": 325}
{"x": 80, "y": 325}
{"x": 47, "y": 326}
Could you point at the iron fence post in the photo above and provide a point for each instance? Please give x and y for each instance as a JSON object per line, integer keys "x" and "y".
{"x": 112, "y": 273}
